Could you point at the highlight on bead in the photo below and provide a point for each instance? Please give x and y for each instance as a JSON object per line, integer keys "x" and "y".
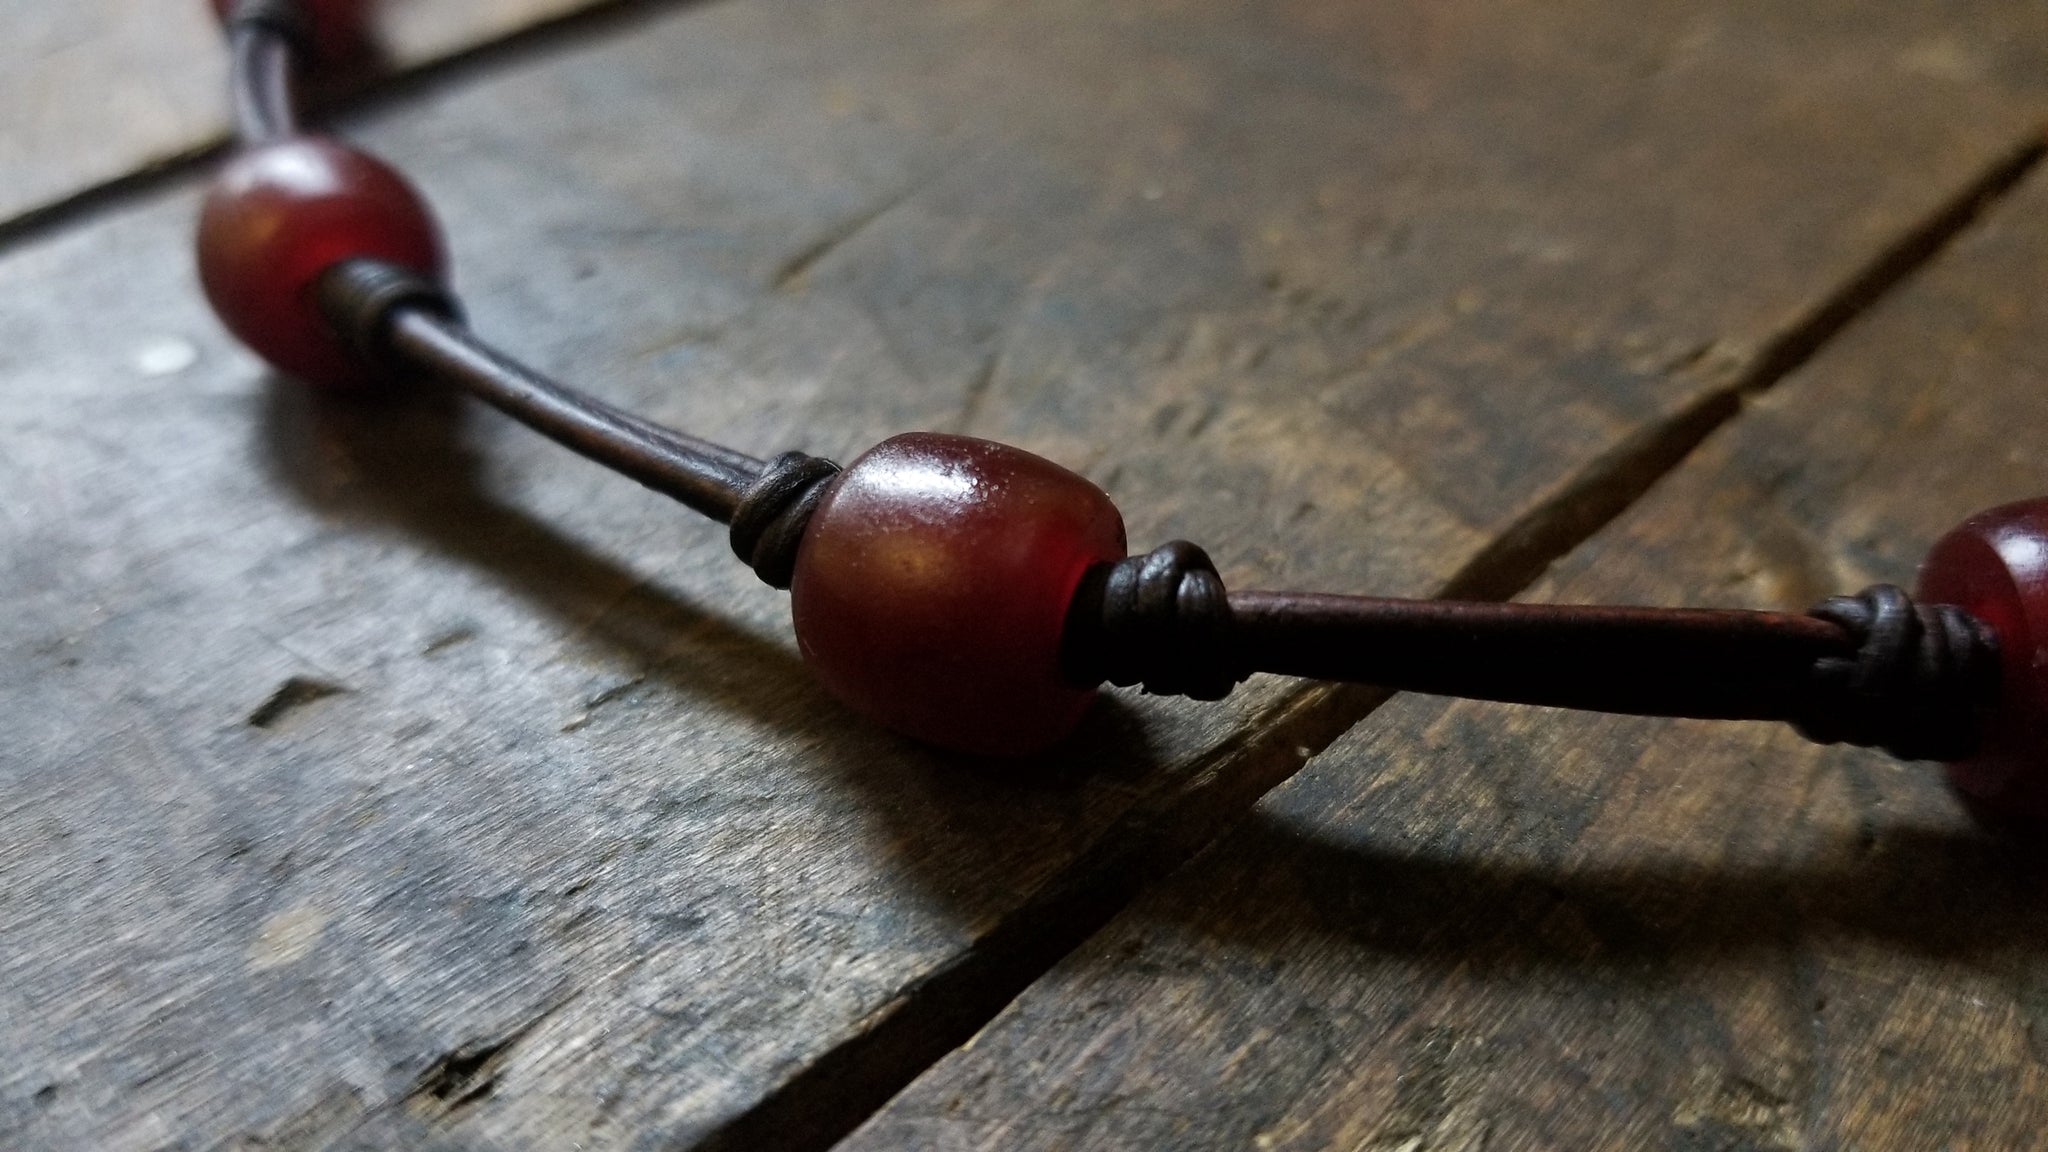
{"x": 932, "y": 587}
{"x": 280, "y": 214}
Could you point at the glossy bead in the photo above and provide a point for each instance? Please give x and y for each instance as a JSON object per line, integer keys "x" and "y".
{"x": 1996, "y": 567}
{"x": 932, "y": 586}
{"x": 340, "y": 27}
{"x": 280, "y": 214}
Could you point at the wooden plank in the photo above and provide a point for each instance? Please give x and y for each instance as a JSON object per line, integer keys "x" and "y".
{"x": 1472, "y": 926}
{"x": 379, "y": 776}
{"x": 97, "y": 90}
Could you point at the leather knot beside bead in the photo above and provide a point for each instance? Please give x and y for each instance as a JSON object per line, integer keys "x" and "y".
{"x": 768, "y": 524}
{"x": 1918, "y": 685}
{"x": 358, "y": 297}
{"x": 1161, "y": 620}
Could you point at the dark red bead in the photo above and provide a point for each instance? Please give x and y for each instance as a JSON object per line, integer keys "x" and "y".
{"x": 932, "y": 586}
{"x": 280, "y": 214}
{"x": 1996, "y": 567}
{"x": 340, "y": 27}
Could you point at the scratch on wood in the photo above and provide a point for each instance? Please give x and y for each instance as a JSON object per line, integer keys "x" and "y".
{"x": 795, "y": 271}
{"x": 294, "y": 694}
{"x": 461, "y": 634}
{"x": 1688, "y": 358}
{"x": 977, "y": 391}
{"x": 601, "y": 698}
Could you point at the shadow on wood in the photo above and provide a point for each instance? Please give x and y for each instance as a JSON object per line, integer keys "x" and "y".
{"x": 1946, "y": 893}
{"x": 405, "y": 465}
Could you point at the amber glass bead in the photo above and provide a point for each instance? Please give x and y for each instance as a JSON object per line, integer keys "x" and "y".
{"x": 932, "y": 586}
{"x": 280, "y": 214}
{"x": 1995, "y": 566}
{"x": 340, "y": 27}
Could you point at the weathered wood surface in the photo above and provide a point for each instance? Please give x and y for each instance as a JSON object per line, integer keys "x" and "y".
{"x": 1471, "y": 926}
{"x": 96, "y": 89}
{"x": 379, "y": 776}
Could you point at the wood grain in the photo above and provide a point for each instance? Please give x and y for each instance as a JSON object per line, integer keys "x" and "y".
{"x": 98, "y": 90}
{"x": 381, "y": 776}
{"x": 1473, "y": 926}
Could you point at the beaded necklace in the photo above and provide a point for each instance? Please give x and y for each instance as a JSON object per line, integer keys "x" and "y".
{"x": 974, "y": 596}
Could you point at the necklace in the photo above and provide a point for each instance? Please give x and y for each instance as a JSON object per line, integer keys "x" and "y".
{"x": 974, "y": 596}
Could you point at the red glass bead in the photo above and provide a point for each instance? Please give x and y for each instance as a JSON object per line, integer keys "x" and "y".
{"x": 280, "y": 214}
{"x": 1995, "y": 566}
{"x": 340, "y": 27}
{"x": 933, "y": 583}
